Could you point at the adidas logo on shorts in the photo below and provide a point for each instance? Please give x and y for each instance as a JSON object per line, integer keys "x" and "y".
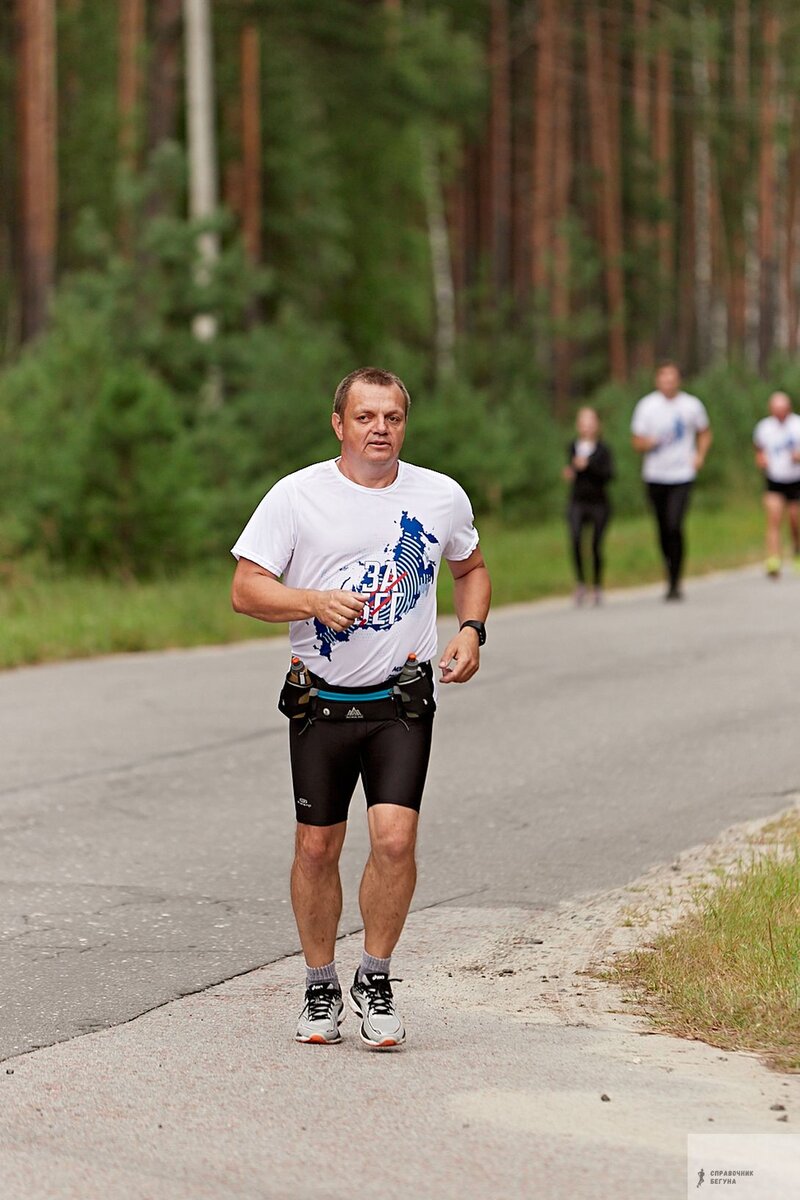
{"x": 355, "y": 714}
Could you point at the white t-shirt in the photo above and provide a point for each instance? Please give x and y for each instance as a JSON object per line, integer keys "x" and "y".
{"x": 318, "y": 529}
{"x": 676, "y": 424}
{"x": 779, "y": 440}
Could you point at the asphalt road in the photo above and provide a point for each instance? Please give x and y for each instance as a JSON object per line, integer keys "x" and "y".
{"x": 146, "y": 821}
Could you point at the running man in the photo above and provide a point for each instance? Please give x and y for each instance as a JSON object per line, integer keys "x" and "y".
{"x": 590, "y": 468}
{"x": 777, "y": 445}
{"x": 671, "y": 430}
{"x": 348, "y": 551}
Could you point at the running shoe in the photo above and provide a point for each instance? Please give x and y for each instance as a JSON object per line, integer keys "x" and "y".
{"x": 674, "y": 593}
{"x": 579, "y": 595}
{"x": 371, "y": 999}
{"x": 323, "y": 1013}
{"x": 773, "y": 566}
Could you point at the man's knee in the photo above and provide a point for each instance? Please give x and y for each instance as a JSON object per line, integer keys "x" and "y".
{"x": 318, "y": 847}
{"x": 395, "y": 845}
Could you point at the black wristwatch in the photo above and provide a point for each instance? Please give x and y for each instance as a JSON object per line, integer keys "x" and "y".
{"x": 479, "y": 627}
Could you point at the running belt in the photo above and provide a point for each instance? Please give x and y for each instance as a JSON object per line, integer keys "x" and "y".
{"x": 384, "y": 694}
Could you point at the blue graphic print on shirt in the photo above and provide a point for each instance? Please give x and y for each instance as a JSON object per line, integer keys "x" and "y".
{"x": 391, "y": 586}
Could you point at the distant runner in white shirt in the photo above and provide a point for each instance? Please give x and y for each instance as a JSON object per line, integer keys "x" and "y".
{"x": 671, "y": 430}
{"x": 777, "y": 444}
{"x": 348, "y": 551}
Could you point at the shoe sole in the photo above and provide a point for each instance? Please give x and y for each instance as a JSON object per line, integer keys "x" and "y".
{"x": 317, "y": 1039}
{"x": 388, "y": 1043}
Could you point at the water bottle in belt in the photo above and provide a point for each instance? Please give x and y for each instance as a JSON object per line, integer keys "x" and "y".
{"x": 415, "y": 689}
{"x": 298, "y": 673}
{"x": 294, "y": 697}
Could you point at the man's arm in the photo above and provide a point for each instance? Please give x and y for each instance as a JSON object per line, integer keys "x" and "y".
{"x": 473, "y": 594}
{"x": 702, "y": 447}
{"x": 643, "y": 445}
{"x": 258, "y": 593}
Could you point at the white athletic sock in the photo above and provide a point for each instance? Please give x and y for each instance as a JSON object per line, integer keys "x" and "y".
{"x": 325, "y": 974}
{"x": 370, "y": 965}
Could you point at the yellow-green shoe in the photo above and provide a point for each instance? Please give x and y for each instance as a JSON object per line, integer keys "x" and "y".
{"x": 773, "y": 566}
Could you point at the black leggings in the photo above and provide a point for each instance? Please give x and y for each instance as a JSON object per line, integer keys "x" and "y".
{"x": 670, "y": 502}
{"x": 595, "y": 514}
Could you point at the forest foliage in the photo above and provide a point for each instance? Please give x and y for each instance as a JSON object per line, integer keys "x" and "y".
{"x": 438, "y": 193}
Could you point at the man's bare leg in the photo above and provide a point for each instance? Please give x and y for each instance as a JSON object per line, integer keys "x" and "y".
{"x": 386, "y": 890}
{"x": 773, "y": 507}
{"x": 793, "y": 510}
{"x": 390, "y": 876}
{"x": 317, "y": 890}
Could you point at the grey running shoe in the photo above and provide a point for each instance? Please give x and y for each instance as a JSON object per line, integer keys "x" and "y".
{"x": 323, "y": 1013}
{"x": 371, "y": 999}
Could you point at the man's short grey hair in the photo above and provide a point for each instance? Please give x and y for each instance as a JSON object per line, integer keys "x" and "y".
{"x": 373, "y": 375}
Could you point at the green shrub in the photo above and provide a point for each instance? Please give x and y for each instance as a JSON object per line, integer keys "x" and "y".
{"x": 95, "y": 467}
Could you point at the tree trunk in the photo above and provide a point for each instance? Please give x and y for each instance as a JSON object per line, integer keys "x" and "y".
{"x": 129, "y": 78}
{"x": 737, "y": 255}
{"x": 251, "y": 140}
{"x": 644, "y": 350}
{"x": 523, "y": 66}
{"x": 641, "y": 68}
{"x": 662, "y": 155}
{"x": 686, "y": 322}
{"x": 441, "y": 266}
{"x": 541, "y": 232}
{"x": 130, "y": 43}
{"x": 202, "y": 139}
{"x": 562, "y": 182}
{"x": 767, "y": 178}
{"x": 602, "y": 124}
{"x": 456, "y": 215}
{"x": 500, "y": 144}
{"x": 702, "y": 182}
{"x": 37, "y": 164}
{"x": 471, "y": 201}
{"x": 164, "y": 72}
{"x": 791, "y": 281}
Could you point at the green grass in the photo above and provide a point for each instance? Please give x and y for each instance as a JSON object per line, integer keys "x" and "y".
{"x": 46, "y": 616}
{"x": 729, "y": 974}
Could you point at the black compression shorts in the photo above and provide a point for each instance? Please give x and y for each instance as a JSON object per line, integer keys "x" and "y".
{"x": 789, "y": 491}
{"x": 391, "y": 757}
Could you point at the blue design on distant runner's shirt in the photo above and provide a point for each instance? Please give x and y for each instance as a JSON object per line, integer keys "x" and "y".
{"x": 391, "y": 585}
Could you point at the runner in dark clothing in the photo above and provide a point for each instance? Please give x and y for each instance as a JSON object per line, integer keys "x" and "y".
{"x": 590, "y": 469}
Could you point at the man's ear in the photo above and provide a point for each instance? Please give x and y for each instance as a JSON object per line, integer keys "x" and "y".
{"x": 336, "y": 422}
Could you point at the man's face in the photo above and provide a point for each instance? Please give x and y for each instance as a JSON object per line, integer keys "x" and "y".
{"x": 373, "y": 425}
{"x": 668, "y": 381}
{"x": 780, "y": 405}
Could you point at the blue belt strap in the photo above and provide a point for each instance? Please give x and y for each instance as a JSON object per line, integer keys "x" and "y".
{"x": 384, "y": 695}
